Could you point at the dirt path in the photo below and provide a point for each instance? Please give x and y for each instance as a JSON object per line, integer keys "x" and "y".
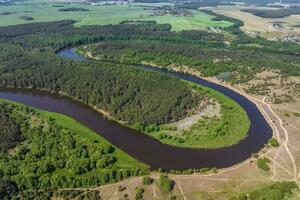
{"x": 294, "y": 127}
{"x": 293, "y": 111}
{"x": 181, "y": 191}
{"x": 285, "y": 143}
{"x": 279, "y": 130}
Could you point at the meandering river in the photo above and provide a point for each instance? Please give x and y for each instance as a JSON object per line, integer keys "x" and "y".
{"x": 143, "y": 147}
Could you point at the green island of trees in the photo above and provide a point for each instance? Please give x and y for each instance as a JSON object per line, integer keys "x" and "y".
{"x": 47, "y": 151}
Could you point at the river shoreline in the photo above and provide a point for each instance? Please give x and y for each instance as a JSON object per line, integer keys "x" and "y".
{"x": 148, "y": 149}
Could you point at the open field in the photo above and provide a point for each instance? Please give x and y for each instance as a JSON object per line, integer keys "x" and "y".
{"x": 101, "y": 15}
{"x": 263, "y": 26}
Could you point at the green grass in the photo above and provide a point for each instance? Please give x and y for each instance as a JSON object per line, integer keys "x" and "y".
{"x": 123, "y": 160}
{"x": 203, "y": 134}
{"x": 101, "y": 15}
{"x": 200, "y": 20}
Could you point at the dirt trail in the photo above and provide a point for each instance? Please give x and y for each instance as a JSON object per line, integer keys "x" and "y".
{"x": 181, "y": 191}
{"x": 285, "y": 143}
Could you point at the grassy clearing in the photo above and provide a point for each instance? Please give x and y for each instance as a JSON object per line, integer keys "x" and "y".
{"x": 200, "y": 20}
{"x": 100, "y": 15}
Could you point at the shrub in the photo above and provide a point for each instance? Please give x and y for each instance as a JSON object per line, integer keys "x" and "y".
{"x": 255, "y": 155}
{"x": 165, "y": 184}
{"x": 273, "y": 142}
{"x": 139, "y": 193}
{"x": 28, "y": 18}
{"x": 263, "y": 164}
{"x": 147, "y": 180}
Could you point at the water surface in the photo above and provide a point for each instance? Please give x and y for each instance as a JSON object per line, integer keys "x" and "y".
{"x": 148, "y": 149}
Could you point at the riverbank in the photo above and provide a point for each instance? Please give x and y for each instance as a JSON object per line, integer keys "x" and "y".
{"x": 208, "y": 132}
{"x": 150, "y": 150}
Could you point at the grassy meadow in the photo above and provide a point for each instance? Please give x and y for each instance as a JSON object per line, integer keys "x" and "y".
{"x": 29, "y": 12}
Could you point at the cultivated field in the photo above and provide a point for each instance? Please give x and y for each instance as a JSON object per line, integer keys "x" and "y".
{"x": 100, "y": 15}
{"x": 263, "y": 26}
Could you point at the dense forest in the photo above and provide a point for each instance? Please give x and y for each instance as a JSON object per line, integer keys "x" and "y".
{"x": 211, "y": 53}
{"x": 279, "y": 13}
{"x": 49, "y": 156}
{"x": 10, "y": 133}
{"x": 209, "y": 61}
{"x": 126, "y": 93}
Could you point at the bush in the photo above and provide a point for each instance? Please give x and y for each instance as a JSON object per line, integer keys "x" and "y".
{"x": 147, "y": 180}
{"x": 263, "y": 164}
{"x": 139, "y": 193}
{"x": 165, "y": 184}
{"x": 28, "y": 18}
{"x": 273, "y": 142}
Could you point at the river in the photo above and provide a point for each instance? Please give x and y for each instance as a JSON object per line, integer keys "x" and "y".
{"x": 143, "y": 147}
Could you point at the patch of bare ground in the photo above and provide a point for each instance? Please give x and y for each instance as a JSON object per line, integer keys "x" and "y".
{"x": 211, "y": 109}
{"x": 278, "y": 88}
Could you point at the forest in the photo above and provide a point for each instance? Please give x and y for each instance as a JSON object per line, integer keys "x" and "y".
{"x": 211, "y": 53}
{"x": 126, "y": 93}
{"x": 40, "y": 154}
{"x": 114, "y": 85}
{"x": 279, "y": 13}
{"x": 10, "y": 133}
{"x": 209, "y": 61}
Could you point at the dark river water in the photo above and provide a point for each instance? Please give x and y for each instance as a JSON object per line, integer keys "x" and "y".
{"x": 143, "y": 147}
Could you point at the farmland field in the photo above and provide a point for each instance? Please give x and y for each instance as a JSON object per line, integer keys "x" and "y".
{"x": 262, "y": 26}
{"x": 100, "y": 15}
